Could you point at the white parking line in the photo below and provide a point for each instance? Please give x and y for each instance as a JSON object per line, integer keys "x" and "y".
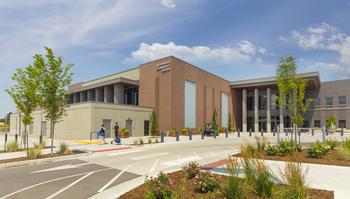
{"x": 53, "y": 180}
{"x": 149, "y": 156}
{"x": 179, "y": 162}
{"x": 68, "y": 186}
{"x": 114, "y": 179}
{"x": 124, "y": 152}
{"x": 212, "y": 154}
{"x": 154, "y": 166}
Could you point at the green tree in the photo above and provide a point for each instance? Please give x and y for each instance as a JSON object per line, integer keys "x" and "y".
{"x": 26, "y": 92}
{"x": 332, "y": 120}
{"x": 291, "y": 89}
{"x": 153, "y": 124}
{"x": 53, "y": 91}
{"x": 214, "y": 124}
{"x": 229, "y": 122}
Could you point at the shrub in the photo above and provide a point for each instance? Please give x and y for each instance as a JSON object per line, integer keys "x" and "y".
{"x": 295, "y": 181}
{"x": 333, "y": 143}
{"x": 205, "y": 182}
{"x": 63, "y": 148}
{"x": 149, "y": 141}
{"x": 157, "y": 141}
{"x": 345, "y": 149}
{"x": 271, "y": 150}
{"x": 186, "y": 131}
{"x": 12, "y": 146}
{"x": 248, "y": 150}
{"x": 286, "y": 147}
{"x": 318, "y": 150}
{"x": 192, "y": 170}
{"x": 260, "y": 143}
{"x": 299, "y": 147}
{"x": 159, "y": 187}
{"x": 233, "y": 187}
{"x": 258, "y": 177}
{"x": 35, "y": 152}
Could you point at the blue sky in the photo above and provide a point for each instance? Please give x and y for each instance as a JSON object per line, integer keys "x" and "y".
{"x": 236, "y": 39}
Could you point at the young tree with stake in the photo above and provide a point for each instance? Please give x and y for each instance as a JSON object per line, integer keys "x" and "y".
{"x": 53, "y": 91}
{"x": 291, "y": 89}
{"x": 26, "y": 92}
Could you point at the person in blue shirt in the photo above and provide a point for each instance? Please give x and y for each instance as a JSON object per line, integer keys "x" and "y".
{"x": 101, "y": 135}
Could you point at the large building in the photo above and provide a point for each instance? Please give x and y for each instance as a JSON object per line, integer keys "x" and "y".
{"x": 184, "y": 95}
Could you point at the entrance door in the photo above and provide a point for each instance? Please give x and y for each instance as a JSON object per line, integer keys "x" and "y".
{"x": 107, "y": 124}
{"x": 128, "y": 125}
{"x": 146, "y": 127}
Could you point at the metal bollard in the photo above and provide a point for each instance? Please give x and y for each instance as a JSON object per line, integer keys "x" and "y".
{"x": 250, "y": 132}
{"x": 5, "y": 141}
{"x": 327, "y": 131}
{"x": 16, "y": 138}
{"x": 162, "y": 136}
{"x": 239, "y": 133}
{"x": 190, "y": 135}
{"x": 262, "y": 132}
{"x": 177, "y": 135}
{"x": 40, "y": 139}
{"x": 202, "y": 134}
{"x": 274, "y": 132}
{"x": 312, "y": 132}
{"x": 342, "y": 132}
{"x": 324, "y": 134}
{"x": 226, "y": 133}
{"x": 286, "y": 132}
{"x": 214, "y": 134}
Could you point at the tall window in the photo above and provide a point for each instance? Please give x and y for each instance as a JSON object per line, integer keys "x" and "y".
{"x": 224, "y": 109}
{"x": 329, "y": 101}
{"x": 341, "y": 100}
{"x": 342, "y": 123}
{"x": 190, "y": 104}
{"x": 317, "y": 123}
{"x": 250, "y": 103}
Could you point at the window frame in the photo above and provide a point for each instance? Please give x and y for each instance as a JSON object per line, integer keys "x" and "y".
{"x": 342, "y": 104}
{"x": 326, "y": 102}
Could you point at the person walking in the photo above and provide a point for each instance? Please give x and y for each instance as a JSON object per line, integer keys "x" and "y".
{"x": 101, "y": 135}
{"x": 116, "y": 133}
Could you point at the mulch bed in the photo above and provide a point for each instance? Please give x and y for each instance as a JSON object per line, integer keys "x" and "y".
{"x": 74, "y": 152}
{"x": 331, "y": 158}
{"x": 183, "y": 189}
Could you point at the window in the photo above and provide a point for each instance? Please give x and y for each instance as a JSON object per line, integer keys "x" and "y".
{"x": 341, "y": 100}
{"x": 190, "y": 104}
{"x": 250, "y": 103}
{"x": 273, "y": 102}
{"x": 329, "y": 101}
{"x": 317, "y": 123}
{"x": 342, "y": 123}
{"x": 262, "y": 102}
{"x": 306, "y": 124}
{"x": 224, "y": 109}
{"x": 317, "y": 101}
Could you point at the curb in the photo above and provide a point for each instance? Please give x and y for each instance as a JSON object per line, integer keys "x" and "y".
{"x": 40, "y": 161}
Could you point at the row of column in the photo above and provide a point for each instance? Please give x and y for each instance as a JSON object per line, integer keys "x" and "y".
{"x": 108, "y": 94}
{"x": 256, "y": 111}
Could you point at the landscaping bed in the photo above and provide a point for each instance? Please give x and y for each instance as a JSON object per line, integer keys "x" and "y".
{"x": 73, "y": 152}
{"x": 333, "y": 157}
{"x": 183, "y": 188}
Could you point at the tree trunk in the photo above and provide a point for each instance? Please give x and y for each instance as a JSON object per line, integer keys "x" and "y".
{"x": 26, "y": 139}
{"x": 52, "y": 130}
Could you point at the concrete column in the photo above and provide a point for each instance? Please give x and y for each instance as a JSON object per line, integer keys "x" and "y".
{"x": 244, "y": 110}
{"x": 118, "y": 94}
{"x": 99, "y": 95}
{"x": 105, "y": 94}
{"x": 268, "y": 109}
{"x": 108, "y": 94}
{"x": 256, "y": 110}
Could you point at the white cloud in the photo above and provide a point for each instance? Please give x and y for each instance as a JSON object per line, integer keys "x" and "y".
{"x": 168, "y": 3}
{"x": 243, "y": 52}
{"x": 325, "y": 37}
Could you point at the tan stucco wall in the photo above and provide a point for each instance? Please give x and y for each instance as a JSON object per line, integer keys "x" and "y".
{"x": 83, "y": 118}
{"x": 120, "y": 113}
